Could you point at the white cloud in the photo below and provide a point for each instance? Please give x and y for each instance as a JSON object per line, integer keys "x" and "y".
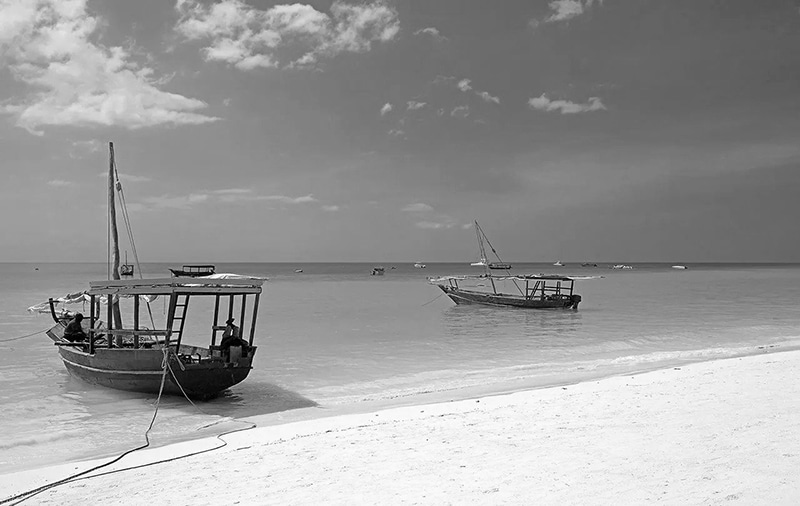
{"x": 440, "y": 79}
{"x": 306, "y": 199}
{"x": 462, "y": 111}
{"x": 563, "y": 10}
{"x": 247, "y": 37}
{"x": 435, "y": 225}
{"x": 330, "y": 209}
{"x": 233, "y": 191}
{"x": 50, "y": 45}
{"x": 463, "y": 85}
{"x": 418, "y": 207}
{"x": 129, "y": 178}
{"x": 396, "y": 132}
{"x": 543, "y": 103}
{"x": 413, "y": 106}
{"x": 386, "y": 108}
{"x": 433, "y": 32}
{"x": 60, "y": 183}
{"x": 440, "y": 111}
{"x": 487, "y": 97}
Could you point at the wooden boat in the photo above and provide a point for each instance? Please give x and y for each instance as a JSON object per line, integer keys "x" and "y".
{"x": 142, "y": 358}
{"x": 378, "y": 271}
{"x": 126, "y": 269}
{"x": 524, "y": 291}
{"x": 137, "y": 358}
{"x": 484, "y": 262}
{"x": 194, "y": 270}
{"x": 532, "y": 291}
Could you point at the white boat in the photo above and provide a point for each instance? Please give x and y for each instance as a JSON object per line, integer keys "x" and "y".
{"x": 622, "y": 266}
{"x": 558, "y": 264}
{"x": 419, "y": 265}
{"x": 681, "y": 267}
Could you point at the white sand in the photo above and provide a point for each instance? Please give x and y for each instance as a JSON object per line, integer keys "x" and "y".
{"x": 723, "y": 432}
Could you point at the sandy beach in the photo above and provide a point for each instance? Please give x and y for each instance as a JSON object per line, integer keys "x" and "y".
{"x": 722, "y": 432}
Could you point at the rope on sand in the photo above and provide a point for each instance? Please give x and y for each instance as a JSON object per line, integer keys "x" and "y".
{"x": 82, "y": 475}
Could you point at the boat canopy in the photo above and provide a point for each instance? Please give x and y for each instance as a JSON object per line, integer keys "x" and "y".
{"x": 168, "y": 286}
{"x": 519, "y": 277}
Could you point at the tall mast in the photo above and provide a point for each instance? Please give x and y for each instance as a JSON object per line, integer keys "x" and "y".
{"x": 480, "y": 235}
{"x": 112, "y": 210}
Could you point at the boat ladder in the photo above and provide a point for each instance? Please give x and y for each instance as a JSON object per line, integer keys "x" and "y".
{"x": 179, "y": 316}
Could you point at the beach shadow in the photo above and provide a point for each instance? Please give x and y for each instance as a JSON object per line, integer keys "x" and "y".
{"x": 256, "y": 398}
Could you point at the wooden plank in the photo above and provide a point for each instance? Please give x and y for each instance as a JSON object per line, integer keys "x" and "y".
{"x": 167, "y": 290}
{"x": 172, "y": 282}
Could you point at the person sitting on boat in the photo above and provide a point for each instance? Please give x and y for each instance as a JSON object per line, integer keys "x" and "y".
{"x": 74, "y": 331}
{"x": 230, "y": 337}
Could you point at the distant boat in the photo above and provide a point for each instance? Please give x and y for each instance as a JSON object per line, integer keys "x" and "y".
{"x": 419, "y": 265}
{"x": 497, "y": 265}
{"x": 681, "y": 267}
{"x": 378, "y": 271}
{"x": 558, "y": 264}
{"x": 622, "y": 266}
{"x": 526, "y": 291}
{"x": 587, "y": 264}
{"x": 298, "y": 270}
{"x": 126, "y": 269}
{"x": 193, "y": 271}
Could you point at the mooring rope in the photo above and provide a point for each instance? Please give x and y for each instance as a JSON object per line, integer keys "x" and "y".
{"x": 23, "y": 337}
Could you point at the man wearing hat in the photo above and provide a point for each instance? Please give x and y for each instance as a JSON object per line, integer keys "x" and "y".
{"x": 230, "y": 337}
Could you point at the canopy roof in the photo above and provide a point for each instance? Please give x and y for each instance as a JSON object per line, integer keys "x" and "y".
{"x": 183, "y": 285}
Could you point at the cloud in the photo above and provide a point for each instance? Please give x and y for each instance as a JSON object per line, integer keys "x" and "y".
{"x": 433, "y": 32}
{"x": 418, "y": 207}
{"x": 396, "y": 132}
{"x": 413, "y": 106}
{"x": 247, "y": 37}
{"x": 487, "y": 97}
{"x": 435, "y": 225}
{"x": 330, "y": 209}
{"x": 440, "y": 79}
{"x": 129, "y": 178}
{"x": 222, "y": 196}
{"x": 564, "y": 10}
{"x": 60, "y": 183}
{"x": 50, "y": 45}
{"x": 462, "y": 111}
{"x": 463, "y": 85}
{"x": 386, "y": 108}
{"x": 543, "y": 103}
{"x": 290, "y": 200}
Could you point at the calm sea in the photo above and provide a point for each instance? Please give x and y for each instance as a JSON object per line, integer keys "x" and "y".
{"x": 335, "y": 337}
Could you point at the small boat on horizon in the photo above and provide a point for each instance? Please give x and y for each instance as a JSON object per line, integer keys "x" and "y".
{"x": 680, "y": 267}
{"x": 378, "y": 271}
{"x": 419, "y": 265}
{"x": 194, "y": 270}
{"x": 558, "y": 263}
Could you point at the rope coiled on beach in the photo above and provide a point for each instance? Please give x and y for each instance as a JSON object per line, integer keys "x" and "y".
{"x": 165, "y": 365}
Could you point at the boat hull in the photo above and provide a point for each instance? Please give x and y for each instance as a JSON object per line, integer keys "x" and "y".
{"x": 460, "y": 296}
{"x": 141, "y": 370}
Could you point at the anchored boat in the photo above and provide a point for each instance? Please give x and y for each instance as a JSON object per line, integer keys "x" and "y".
{"x": 524, "y": 291}
{"x": 530, "y": 291}
{"x": 138, "y": 358}
{"x": 157, "y": 356}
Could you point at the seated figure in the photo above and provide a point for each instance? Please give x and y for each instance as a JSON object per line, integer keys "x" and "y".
{"x": 230, "y": 337}
{"x": 74, "y": 331}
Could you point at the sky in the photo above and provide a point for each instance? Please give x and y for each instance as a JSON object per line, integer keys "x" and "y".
{"x": 380, "y": 130}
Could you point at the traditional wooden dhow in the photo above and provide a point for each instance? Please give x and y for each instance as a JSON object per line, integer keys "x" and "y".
{"x": 139, "y": 358}
{"x": 529, "y": 291}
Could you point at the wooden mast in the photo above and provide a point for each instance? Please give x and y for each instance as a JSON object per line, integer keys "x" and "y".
{"x": 112, "y": 210}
